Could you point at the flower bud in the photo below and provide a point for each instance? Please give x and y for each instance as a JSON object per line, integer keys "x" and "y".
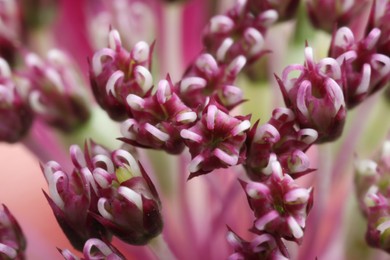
{"x": 116, "y": 73}
{"x": 316, "y": 96}
{"x": 15, "y": 115}
{"x": 216, "y": 140}
{"x": 54, "y": 91}
{"x": 12, "y": 240}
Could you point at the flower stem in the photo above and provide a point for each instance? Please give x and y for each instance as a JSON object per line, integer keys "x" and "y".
{"x": 161, "y": 249}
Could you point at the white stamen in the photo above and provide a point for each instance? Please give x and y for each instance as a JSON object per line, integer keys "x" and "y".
{"x": 225, "y": 157}
{"x": 372, "y": 38}
{"x": 296, "y": 230}
{"x": 307, "y": 135}
{"x": 97, "y": 66}
{"x": 54, "y": 194}
{"x": 5, "y": 70}
{"x": 89, "y": 178}
{"x": 381, "y": 63}
{"x": 194, "y": 165}
{"x": 193, "y": 83}
{"x": 264, "y": 220}
{"x": 164, "y": 137}
{"x": 268, "y": 169}
{"x": 344, "y": 37}
{"x": 102, "y": 209}
{"x": 207, "y": 64}
{"x": 57, "y": 57}
{"x": 163, "y": 91}
{"x": 223, "y": 49}
{"x": 110, "y": 87}
{"x": 277, "y": 169}
{"x": 297, "y": 196}
{"x": 221, "y": 24}
{"x": 55, "y": 78}
{"x": 301, "y": 97}
{"x": 77, "y": 156}
{"x": 371, "y": 197}
{"x": 301, "y": 162}
{"x": 232, "y": 94}
{"x": 366, "y": 167}
{"x": 140, "y": 52}
{"x": 256, "y": 40}
{"x": 267, "y": 132}
{"x": 335, "y": 93}
{"x": 135, "y": 102}
{"x": 114, "y": 39}
{"x": 33, "y": 60}
{"x": 269, "y": 17}
{"x": 348, "y": 56}
{"x": 280, "y": 112}
{"x": 131, "y": 196}
{"x": 241, "y": 127}
{"x": 143, "y": 77}
{"x": 50, "y": 168}
{"x": 334, "y": 65}
{"x": 125, "y": 129}
{"x": 100, "y": 176}
{"x": 309, "y": 55}
{"x": 383, "y": 226}
{"x": 98, "y": 159}
{"x": 289, "y": 82}
{"x": 8, "y": 251}
{"x": 36, "y": 103}
{"x": 120, "y": 153}
{"x": 236, "y": 65}
{"x": 257, "y": 190}
{"x": 365, "y": 80}
{"x": 186, "y": 117}
{"x": 211, "y": 115}
{"x": 100, "y": 245}
{"x": 187, "y": 134}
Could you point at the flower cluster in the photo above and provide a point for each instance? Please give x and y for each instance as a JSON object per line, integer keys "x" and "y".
{"x": 107, "y": 193}
{"x": 12, "y": 240}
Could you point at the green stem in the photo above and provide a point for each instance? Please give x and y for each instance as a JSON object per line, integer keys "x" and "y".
{"x": 161, "y": 249}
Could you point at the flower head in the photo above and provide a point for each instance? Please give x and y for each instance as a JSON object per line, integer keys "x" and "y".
{"x": 15, "y": 115}
{"x": 12, "y": 240}
{"x": 216, "y": 140}
{"x": 317, "y": 87}
{"x": 115, "y": 73}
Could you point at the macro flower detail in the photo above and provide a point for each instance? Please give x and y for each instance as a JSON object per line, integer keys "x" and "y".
{"x": 279, "y": 205}
{"x": 12, "y": 240}
{"x": 380, "y": 14}
{"x": 216, "y": 140}
{"x": 10, "y": 29}
{"x": 107, "y": 192}
{"x": 157, "y": 119}
{"x": 52, "y": 87}
{"x": 95, "y": 249}
{"x": 15, "y": 114}
{"x": 319, "y": 85}
{"x": 278, "y": 140}
{"x": 364, "y": 71}
{"x": 115, "y": 73}
{"x": 371, "y": 182}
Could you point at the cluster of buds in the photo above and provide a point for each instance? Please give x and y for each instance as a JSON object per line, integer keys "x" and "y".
{"x": 279, "y": 204}
{"x": 263, "y": 246}
{"x": 15, "y": 114}
{"x": 315, "y": 96}
{"x": 12, "y": 241}
{"x": 106, "y": 193}
{"x": 285, "y": 9}
{"x": 116, "y": 73}
{"x": 364, "y": 71}
{"x": 217, "y": 140}
{"x": 372, "y": 180}
{"x": 280, "y": 140}
{"x": 95, "y": 249}
{"x": 53, "y": 90}
{"x": 339, "y": 12}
